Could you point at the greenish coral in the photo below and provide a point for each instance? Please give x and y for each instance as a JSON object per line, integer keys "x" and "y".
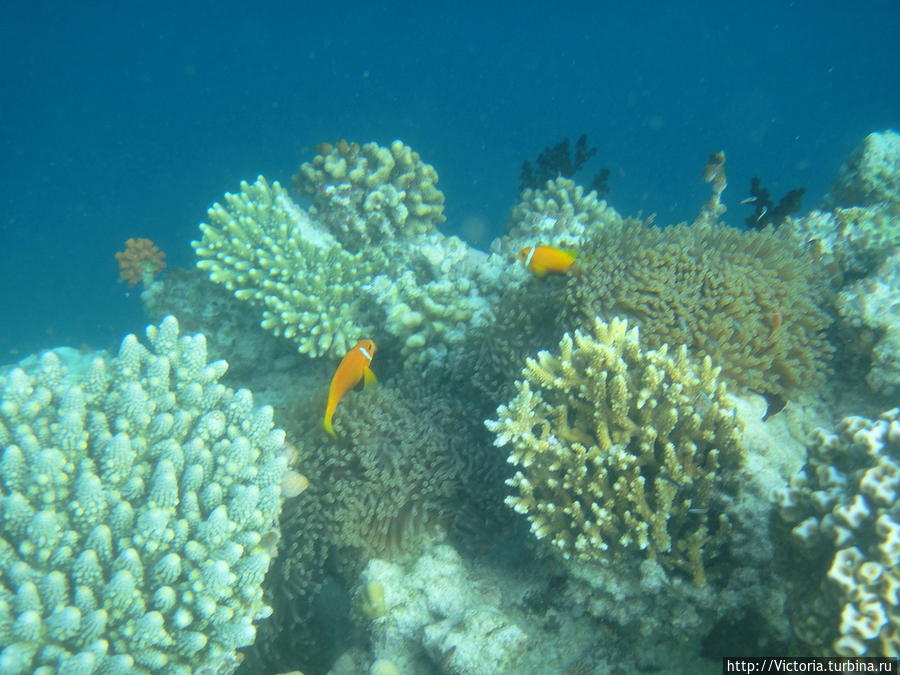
{"x": 843, "y": 507}
{"x": 621, "y": 449}
{"x": 368, "y": 193}
{"x": 753, "y": 301}
{"x": 137, "y": 496}
{"x": 264, "y": 248}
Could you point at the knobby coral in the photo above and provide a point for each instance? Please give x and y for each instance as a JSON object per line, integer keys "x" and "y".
{"x": 368, "y": 193}
{"x": 622, "y": 449}
{"x": 843, "y": 508}
{"x": 140, "y": 262}
{"x": 753, "y": 301}
{"x": 139, "y": 500}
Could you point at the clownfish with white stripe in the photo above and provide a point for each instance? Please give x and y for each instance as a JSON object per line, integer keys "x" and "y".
{"x": 353, "y": 368}
{"x": 544, "y": 259}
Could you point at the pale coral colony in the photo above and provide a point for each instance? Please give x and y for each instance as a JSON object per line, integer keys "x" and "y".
{"x": 553, "y": 475}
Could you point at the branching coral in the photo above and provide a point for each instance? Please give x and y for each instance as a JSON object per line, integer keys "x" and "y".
{"x": 621, "y": 449}
{"x": 753, "y": 301}
{"x": 368, "y": 193}
{"x": 140, "y": 262}
{"x": 265, "y": 249}
{"x": 140, "y": 500}
{"x": 843, "y": 507}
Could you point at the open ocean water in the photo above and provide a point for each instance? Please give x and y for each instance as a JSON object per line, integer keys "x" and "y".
{"x": 123, "y": 120}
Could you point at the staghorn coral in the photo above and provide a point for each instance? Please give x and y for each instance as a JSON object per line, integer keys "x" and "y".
{"x": 753, "y": 301}
{"x": 621, "y": 449}
{"x": 367, "y": 193}
{"x": 265, "y": 249}
{"x": 140, "y": 262}
{"x": 843, "y": 507}
{"x": 140, "y": 499}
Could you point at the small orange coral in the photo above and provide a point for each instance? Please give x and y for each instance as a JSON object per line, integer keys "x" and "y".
{"x": 141, "y": 261}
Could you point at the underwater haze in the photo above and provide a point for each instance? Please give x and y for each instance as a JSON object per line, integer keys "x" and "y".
{"x": 127, "y": 120}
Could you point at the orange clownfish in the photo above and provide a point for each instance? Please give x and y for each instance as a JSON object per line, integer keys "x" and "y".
{"x": 353, "y": 368}
{"x": 543, "y": 259}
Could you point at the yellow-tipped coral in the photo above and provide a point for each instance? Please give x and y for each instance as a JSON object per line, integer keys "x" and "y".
{"x": 621, "y": 449}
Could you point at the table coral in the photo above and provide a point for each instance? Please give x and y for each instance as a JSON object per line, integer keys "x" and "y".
{"x": 843, "y": 507}
{"x": 753, "y": 301}
{"x": 368, "y": 193}
{"x": 621, "y": 449}
{"x": 139, "y": 498}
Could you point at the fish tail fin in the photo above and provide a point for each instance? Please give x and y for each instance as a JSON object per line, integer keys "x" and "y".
{"x": 326, "y": 423}
{"x": 369, "y": 378}
{"x": 571, "y": 251}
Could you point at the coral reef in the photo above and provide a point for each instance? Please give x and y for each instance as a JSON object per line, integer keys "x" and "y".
{"x": 433, "y": 613}
{"x": 560, "y": 213}
{"x": 140, "y": 262}
{"x": 843, "y": 507}
{"x": 140, "y": 499}
{"x": 848, "y": 242}
{"x": 367, "y": 193}
{"x": 430, "y": 295}
{"x": 420, "y": 286}
{"x": 753, "y": 301}
{"x": 870, "y": 310}
{"x": 231, "y": 328}
{"x": 871, "y": 174}
{"x": 404, "y": 469}
{"x": 265, "y": 249}
{"x": 622, "y": 449}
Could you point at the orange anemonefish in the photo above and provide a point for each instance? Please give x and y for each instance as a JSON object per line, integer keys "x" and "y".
{"x": 543, "y": 259}
{"x": 353, "y": 368}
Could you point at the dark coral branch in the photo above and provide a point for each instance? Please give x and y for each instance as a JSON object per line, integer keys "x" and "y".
{"x": 559, "y": 160}
{"x": 766, "y": 212}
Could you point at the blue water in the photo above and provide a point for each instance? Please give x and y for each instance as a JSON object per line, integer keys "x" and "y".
{"x": 118, "y": 121}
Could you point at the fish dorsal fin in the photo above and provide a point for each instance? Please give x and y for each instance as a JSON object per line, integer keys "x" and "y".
{"x": 369, "y": 378}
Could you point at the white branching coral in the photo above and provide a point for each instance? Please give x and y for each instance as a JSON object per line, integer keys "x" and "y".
{"x": 139, "y": 500}
{"x": 264, "y": 248}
